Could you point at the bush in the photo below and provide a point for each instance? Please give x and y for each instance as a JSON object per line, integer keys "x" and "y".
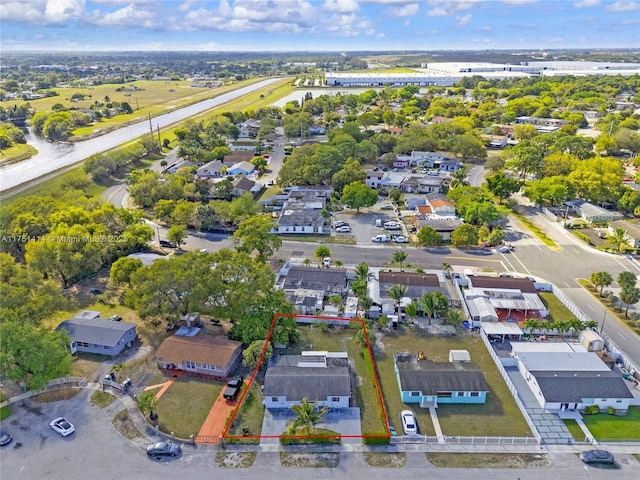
{"x": 376, "y": 440}
{"x": 611, "y": 410}
{"x": 592, "y": 410}
{"x": 583, "y": 237}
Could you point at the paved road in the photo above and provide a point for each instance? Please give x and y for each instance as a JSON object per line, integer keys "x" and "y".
{"x": 99, "y": 452}
{"x": 27, "y": 171}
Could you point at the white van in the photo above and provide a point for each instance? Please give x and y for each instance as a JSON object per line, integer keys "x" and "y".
{"x": 380, "y": 239}
{"x": 378, "y": 222}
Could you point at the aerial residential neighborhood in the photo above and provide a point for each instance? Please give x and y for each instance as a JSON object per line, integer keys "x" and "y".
{"x": 338, "y": 239}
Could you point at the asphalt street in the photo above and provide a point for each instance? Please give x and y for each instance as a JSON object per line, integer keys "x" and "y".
{"x": 98, "y": 451}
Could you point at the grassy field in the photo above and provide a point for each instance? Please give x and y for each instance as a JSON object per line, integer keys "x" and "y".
{"x": 488, "y": 460}
{"x": 612, "y": 427}
{"x": 183, "y": 408}
{"x": 499, "y": 416}
{"x": 16, "y": 153}
{"x": 557, "y": 310}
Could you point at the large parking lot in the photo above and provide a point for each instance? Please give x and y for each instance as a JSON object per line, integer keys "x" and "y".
{"x": 363, "y": 224}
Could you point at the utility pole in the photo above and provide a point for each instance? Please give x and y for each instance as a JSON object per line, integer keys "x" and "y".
{"x": 150, "y": 125}
{"x": 159, "y": 139}
{"x": 604, "y": 317}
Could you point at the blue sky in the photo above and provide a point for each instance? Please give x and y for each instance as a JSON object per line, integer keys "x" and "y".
{"x": 295, "y": 25}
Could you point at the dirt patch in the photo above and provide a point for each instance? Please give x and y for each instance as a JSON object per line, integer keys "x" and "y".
{"x": 56, "y": 395}
{"x": 385, "y": 460}
{"x": 488, "y": 460}
{"x": 235, "y": 459}
{"x": 123, "y": 423}
{"x": 310, "y": 460}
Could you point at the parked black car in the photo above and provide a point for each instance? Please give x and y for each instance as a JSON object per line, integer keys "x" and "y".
{"x": 233, "y": 388}
{"x": 164, "y": 449}
{"x": 167, "y": 244}
{"x": 597, "y": 456}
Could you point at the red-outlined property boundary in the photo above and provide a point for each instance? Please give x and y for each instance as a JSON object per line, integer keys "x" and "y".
{"x": 225, "y": 434}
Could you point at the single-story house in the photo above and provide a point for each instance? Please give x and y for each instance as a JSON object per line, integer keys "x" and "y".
{"x": 91, "y": 334}
{"x": 570, "y": 379}
{"x": 177, "y": 166}
{"x": 494, "y": 141}
{"x": 237, "y": 157}
{"x": 210, "y": 170}
{"x": 443, "y": 224}
{"x": 442, "y": 207}
{"x": 592, "y": 213}
{"x": 633, "y": 231}
{"x": 429, "y": 383}
{"x": 306, "y": 301}
{"x": 411, "y": 201}
{"x": 300, "y": 220}
{"x": 431, "y": 184}
{"x": 332, "y": 281}
{"x": 322, "y": 377}
{"x": 449, "y": 165}
{"x": 241, "y": 168}
{"x": 204, "y": 354}
{"x": 417, "y": 285}
{"x": 242, "y": 185}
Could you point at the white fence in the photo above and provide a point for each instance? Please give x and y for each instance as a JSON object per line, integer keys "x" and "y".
{"x": 510, "y": 385}
{"x": 580, "y": 316}
{"x": 550, "y": 214}
{"x": 453, "y": 440}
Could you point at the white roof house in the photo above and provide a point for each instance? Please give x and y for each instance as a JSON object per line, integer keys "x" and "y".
{"x": 480, "y": 309}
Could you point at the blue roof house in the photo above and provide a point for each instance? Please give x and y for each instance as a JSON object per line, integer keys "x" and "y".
{"x": 429, "y": 383}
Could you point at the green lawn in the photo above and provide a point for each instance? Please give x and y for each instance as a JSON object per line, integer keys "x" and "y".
{"x": 16, "y": 153}
{"x": 184, "y": 407}
{"x": 557, "y": 310}
{"x": 574, "y": 429}
{"x": 499, "y": 416}
{"x": 603, "y": 426}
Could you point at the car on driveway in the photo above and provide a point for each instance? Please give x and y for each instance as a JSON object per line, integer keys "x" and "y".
{"x": 409, "y": 424}
{"x": 233, "y": 388}
{"x": 386, "y": 206}
{"x": 62, "y": 426}
{"x": 164, "y": 449}
{"x": 5, "y": 439}
{"x": 399, "y": 239}
{"x": 597, "y": 457}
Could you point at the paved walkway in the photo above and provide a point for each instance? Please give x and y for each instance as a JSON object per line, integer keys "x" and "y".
{"x": 436, "y": 423}
{"x": 163, "y": 386}
{"x": 213, "y": 426}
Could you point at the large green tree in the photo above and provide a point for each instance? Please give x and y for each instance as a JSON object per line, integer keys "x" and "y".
{"x": 255, "y": 233}
{"x": 502, "y": 186}
{"x": 429, "y": 237}
{"x": 465, "y": 236}
{"x": 358, "y": 195}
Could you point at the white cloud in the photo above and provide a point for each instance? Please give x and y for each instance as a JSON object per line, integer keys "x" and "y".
{"x": 407, "y": 23}
{"x": 380, "y": 36}
{"x": 623, "y": 6}
{"x": 342, "y": 6}
{"x": 518, "y": 2}
{"x": 464, "y": 20}
{"x": 438, "y": 12}
{"x": 133, "y": 15}
{"x": 407, "y": 10}
{"x": 43, "y": 11}
{"x": 586, "y": 3}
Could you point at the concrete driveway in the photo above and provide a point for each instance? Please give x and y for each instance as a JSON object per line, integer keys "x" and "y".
{"x": 345, "y": 422}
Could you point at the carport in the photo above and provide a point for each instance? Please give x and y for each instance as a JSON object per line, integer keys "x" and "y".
{"x": 502, "y": 328}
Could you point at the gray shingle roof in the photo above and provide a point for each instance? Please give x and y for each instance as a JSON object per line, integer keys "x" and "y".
{"x": 96, "y": 331}
{"x": 325, "y": 279}
{"x": 312, "y": 383}
{"x": 572, "y": 387}
{"x": 431, "y": 377}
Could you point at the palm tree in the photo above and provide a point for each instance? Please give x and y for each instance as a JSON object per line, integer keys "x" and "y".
{"x": 338, "y": 263}
{"x": 627, "y": 279}
{"x": 428, "y": 305}
{"x": 336, "y": 300}
{"x": 306, "y": 262}
{"x": 532, "y": 324}
{"x": 411, "y": 310}
{"x": 307, "y": 416}
{"x": 398, "y": 292}
{"x": 575, "y": 325}
{"x": 446, "y": 268}
{"x": 455, "y": 317}
{"x": 366, "y": 303}
{"x": 596, "y": 280}
{"x": 605, "y": 279}
{"x": 322, "y": 252}
{"x": 619, "y": 238}
{"x": 630, "y": 296}
{"x": 458, "y": 179}
{"x": 399, "y": 256}
{"x": 591, "y": 324}
{"x": 362, "y": 272}
{"x": 441, "y": 302}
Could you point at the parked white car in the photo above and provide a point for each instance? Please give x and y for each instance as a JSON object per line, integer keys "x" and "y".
{"x": 343, "y": 229}
{"x": 400, "y": 239}
{"x": 380, "y": 239}
{"x": 326, "y": 261}
{"x": 62, "y": 426}
{"x": 409, "y": 423}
